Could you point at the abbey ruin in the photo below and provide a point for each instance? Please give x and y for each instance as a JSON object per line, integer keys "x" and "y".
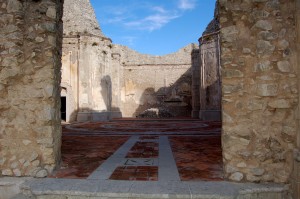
{"x": 244, "y": 72}
{"x": 102, "y": 80}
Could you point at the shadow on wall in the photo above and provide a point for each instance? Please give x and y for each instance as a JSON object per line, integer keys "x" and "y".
{"x": 106, "y": 91}
{"x": 105, "y": 109}
{"x": 171, "y": 101}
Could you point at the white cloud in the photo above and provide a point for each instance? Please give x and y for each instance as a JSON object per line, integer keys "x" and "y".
{"x": 153, "y": 16}
{"x": 187, "y": 4}
{"x": 130, "y": 40}
{"x": 159, "y": 9}
{"x": 152, "y": 22}
{"x": 117, "y": 19}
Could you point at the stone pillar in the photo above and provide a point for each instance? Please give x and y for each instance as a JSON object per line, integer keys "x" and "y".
{"x": 210, "y": 86}
{"x": 195, "y": 83}
{"x": 260, "y": 78}
{"x": 295, "y": 177}
{"x": 84, "y": 78}
{"x": 30, "y": 46}
{"x": 116, "y": 87}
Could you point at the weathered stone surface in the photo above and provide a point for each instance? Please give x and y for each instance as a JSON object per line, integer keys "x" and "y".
{"x": 229, "y": 34}
{"x": 21, "y": 83}
{"x": 14, "y": 6}
{"x": 264, "y": 47}
{"x": 280, "y": 103}
{"x": 51, "y": 12}
{"x": 266, "y": 35}
{"x": 283, "y": 44}
{"x": 267, "y": 101}
{"x": 231, "y": 73}
{"x": 237, "y": 176}
{"x": 267, "y": 89}
{"x": 79, "y": 18}
{"x": 232, "y": 88}
{"x": 284, "y": 66}
{"x": 41, "y": 174}
{"x": 263, "y": 66}
{"x": 263, "y": 24}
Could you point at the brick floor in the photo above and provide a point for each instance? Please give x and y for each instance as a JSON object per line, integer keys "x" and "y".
{"x": 198, "y": 157}
{"x": 196, "y": 148}
{"x": 81, "y": 155}
{"x": 139, "y": 173}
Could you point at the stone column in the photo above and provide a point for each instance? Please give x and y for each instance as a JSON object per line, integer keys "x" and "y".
{"x": 84, "y": 98}
{"x": 30, "y": 46}
{"x": 259, "y": 91}
{"x": 116, "y": 88}
{"x": 210, "y": 86}
{"x": 195, "y": 83}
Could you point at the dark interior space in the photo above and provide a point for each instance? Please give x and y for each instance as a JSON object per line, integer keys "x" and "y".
{"x": 63, "y": 108}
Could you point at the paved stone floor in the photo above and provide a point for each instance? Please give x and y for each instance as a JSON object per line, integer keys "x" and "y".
{"x": 142, "y": 150}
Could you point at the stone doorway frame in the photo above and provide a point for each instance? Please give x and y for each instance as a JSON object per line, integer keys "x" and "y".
{"x": 40, "y": 139}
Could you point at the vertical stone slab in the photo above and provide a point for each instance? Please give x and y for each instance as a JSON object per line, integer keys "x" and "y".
{"x": 30, "y": 131}
{"x": 258, "y": 56}
{"x": 210, "y": 86}
{"x": 116, "y": 85}
{"x": 195, "y": 83}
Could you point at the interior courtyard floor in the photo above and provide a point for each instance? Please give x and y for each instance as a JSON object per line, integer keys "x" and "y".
{"x": 140, "y": 158}
{"x": 142, "y": 150}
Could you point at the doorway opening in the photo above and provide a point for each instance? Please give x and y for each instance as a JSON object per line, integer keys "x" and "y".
{"x": 138, "y": 109}
{"x": 63, "y": 108}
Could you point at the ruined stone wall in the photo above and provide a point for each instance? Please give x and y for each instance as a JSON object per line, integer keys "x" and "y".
{"x": 87, "y": 65}
{"x": 162, "y": 82}
{"x": 30, "y": 134}
{"x": 69, "y": 81}
{"x": 79, "y": 17}
{"x": 87, "y": 73}
{"x": 260, "y": 92}
{"x": 195, "y": 83}
{"x": 210, "y": 84}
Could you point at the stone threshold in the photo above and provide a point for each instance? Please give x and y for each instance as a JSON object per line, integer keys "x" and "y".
{"x": 50, "y": 188}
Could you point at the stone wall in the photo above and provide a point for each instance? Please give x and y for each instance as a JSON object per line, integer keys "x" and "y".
{"x": 259, "y": 85}
{"x": 160, "y": 82}
{"x": 79, "y": 18}
{"x": 210, "y": 80}
{"x": 295, "y": 176}
{"x": 88, "y": 75}
{"x": 30, "y": 50}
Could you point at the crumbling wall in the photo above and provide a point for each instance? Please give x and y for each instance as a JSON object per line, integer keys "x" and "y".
{"x": 210, "y": 78}
{"x": 156, "y": 82}
{"x": 88, "y": 69}
{"x": 30, "y": 50}
{"x": 79, "y": 18}
{"x": 210, "y": 84}
{"x": 259, "y": 86}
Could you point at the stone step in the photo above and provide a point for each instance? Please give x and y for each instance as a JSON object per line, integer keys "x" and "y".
{"x": 104, "y": 189}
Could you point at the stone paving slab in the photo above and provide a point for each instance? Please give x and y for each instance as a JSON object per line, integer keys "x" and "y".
{"x": 171, "y": 189}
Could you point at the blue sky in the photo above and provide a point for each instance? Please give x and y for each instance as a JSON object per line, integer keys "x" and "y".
{"x": 154, "y": 27}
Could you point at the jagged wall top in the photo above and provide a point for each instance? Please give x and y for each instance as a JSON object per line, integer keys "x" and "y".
{"x": 79, "y": 17}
